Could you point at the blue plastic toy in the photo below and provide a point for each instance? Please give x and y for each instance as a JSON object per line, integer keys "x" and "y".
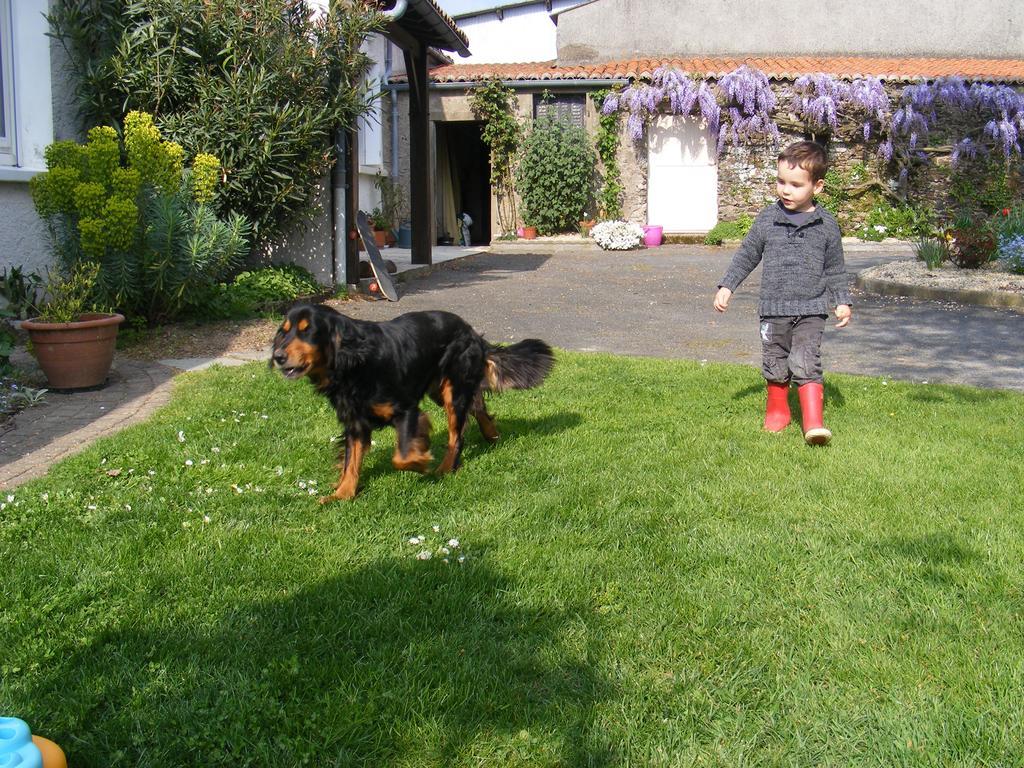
{"x": 16, "y": 747}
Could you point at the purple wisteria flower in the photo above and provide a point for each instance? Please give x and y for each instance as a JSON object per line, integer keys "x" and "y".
{"x": 966, "y": 147}
{"x": 677, "y": 87}
{"x": 750, "y": 103}
{"x": 709, "y": 109}
{"x": 817, "y": 99}
{"x": 611, "y": 103}
{"x": 868, "y": 102}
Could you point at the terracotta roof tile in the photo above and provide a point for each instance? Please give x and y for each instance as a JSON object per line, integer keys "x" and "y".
{"x": 776, "y": 67}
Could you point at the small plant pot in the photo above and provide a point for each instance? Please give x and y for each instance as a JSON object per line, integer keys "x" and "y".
{"x": 529, "y": 233}
{"x": 75, "y": 355}
{"x": 652, "y": 235}
{"x": 380, "y": 237}
{"x": 405, "y": 236}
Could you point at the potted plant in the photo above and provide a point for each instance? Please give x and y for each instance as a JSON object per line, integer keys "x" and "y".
{"x": 379, "y": 222}
{"x": 585, "y": 225}
{"x": 392, "y": 201}
{"x": 73, "y": 343}
{"x": 529, "y": 232}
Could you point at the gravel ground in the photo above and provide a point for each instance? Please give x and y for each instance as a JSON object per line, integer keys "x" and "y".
{"x": 913, "y": 272}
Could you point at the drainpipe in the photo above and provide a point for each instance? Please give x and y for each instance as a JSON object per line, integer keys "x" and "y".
{"x": 393, "y": 99}
{"x": 398, "y": 11}
{"x": 339, "y": 228}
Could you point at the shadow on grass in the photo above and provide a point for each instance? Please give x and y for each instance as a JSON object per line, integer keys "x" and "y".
{"x": 939, "y": 548}
{"x": 474, "y": 444}
{"x": 962, "y": 395}
{"x": 400, "y": 661}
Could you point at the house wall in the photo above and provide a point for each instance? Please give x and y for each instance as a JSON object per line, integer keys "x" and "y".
{"x": 607, "y": 30}
{"x": 43, "y": 111}
{"x": 525, "y": 33}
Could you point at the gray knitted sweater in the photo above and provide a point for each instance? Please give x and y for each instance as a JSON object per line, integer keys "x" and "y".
{"x": 803, "y": 271}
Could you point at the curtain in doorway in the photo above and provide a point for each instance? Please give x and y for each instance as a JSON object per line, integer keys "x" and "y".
{"x": 448, "y": 189}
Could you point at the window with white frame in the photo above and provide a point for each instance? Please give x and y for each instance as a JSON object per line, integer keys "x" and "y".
{"x": 7, "y": 154}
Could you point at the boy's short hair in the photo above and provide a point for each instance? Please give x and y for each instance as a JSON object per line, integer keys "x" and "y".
{"x": 809, "y": 155}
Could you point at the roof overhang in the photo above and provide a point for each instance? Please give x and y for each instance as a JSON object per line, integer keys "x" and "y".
{"x": 413, "y": 23}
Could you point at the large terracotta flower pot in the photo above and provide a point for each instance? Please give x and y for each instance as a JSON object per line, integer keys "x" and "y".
{"x": 75, "y": 355}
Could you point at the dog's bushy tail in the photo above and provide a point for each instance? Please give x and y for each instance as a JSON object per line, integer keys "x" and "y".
{"x": 522, "y": 365}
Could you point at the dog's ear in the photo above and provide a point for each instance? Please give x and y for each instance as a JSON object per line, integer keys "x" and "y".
{"x": 340, "y": 340}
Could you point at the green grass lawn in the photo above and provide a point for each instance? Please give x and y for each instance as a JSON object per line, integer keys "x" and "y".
{"x": 648, "y": 580}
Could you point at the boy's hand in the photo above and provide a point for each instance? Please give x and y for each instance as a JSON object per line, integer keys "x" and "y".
{"x": 843, "y": 314}
{"x": 722, "y": 299}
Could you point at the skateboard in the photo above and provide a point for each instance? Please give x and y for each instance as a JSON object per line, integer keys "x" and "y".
{"x": 380, "y": 271}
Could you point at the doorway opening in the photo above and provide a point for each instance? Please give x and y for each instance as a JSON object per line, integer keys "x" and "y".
{"x": 463, "y": 182}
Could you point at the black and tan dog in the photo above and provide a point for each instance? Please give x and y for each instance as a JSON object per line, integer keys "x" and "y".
{"x": 376, "y": 375}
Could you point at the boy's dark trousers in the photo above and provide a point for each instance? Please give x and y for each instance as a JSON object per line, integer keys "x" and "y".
{"x": 791, "y": 348}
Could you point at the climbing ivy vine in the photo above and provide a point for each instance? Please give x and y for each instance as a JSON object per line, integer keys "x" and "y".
{"x": 606, "y": 141}
{"x": 495, "y": 104}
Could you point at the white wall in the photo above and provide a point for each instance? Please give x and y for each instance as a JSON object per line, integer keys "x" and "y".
{"x": 22, "y": 236}
{"x": 609, "y": 30}
{"x": 524, "y": 34}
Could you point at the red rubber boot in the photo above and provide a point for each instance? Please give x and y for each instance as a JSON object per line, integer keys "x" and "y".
{"x": 776, "y": 415}
{"x": 812, "y": 401}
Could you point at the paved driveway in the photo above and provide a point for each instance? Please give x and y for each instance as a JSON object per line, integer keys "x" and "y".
{"x": 657, "y": 302}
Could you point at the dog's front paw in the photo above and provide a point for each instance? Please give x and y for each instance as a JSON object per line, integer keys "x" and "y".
{"x": 342, "y": 494}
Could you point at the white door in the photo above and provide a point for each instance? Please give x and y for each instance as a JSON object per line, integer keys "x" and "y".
{"x": 682, "y": 183}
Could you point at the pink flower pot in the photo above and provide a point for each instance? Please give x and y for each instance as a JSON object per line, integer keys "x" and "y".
{"x": 652, "y": 235}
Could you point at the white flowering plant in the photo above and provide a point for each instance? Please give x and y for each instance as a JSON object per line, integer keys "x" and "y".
{"x": 617, "y": 235}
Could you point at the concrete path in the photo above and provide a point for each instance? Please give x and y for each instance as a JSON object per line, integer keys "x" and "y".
{"x": 655, "y": 302}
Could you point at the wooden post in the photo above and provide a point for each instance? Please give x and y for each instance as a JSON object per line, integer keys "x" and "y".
{"x": 421, "y": 199}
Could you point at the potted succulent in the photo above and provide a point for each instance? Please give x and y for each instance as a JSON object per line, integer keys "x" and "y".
{"x": 73, "y": 344}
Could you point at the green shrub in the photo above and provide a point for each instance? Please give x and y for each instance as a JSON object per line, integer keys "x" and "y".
{"x": 982, "y": 186}
{"x": 159, "y": 246}
{"x": 260, "y": 84}
{"x": 284, "y": 282}
{"x": 256, "y": 290}
{"x": 729, "y": 230}
{"x": 904, "y": 222}
{"x": 555, "y": 176}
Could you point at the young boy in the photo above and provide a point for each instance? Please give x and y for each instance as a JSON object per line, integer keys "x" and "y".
{"x": 803, "y": 274}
